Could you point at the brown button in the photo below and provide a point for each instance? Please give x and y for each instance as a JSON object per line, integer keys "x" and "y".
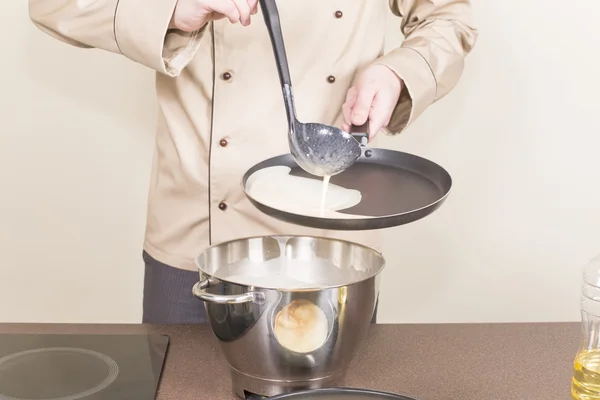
{"x": 226, "y": 76}
{"x": 223, "y": 142}
{"x": 331, "y": 79}
{"x": 339, "y": 14}
{"x": 222, "y": 206}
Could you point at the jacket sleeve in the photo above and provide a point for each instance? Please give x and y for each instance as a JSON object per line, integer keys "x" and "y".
{"x": 438, "y": 35}
{"x": 137, "y": 29}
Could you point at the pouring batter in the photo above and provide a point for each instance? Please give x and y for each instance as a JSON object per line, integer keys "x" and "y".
{"x": 275, "y": 187}
{"x": 220, "y": 109}
{"x": 326, "y": 179}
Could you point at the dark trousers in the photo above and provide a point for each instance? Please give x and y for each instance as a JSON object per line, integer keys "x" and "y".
{"x": 168, "y": 297}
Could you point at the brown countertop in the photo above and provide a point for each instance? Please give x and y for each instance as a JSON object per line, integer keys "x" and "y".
{"x": 428, "y": 362}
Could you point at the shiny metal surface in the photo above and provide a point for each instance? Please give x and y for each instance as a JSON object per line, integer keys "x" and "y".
{"x": 243, "y": 317}
{"x": 340, "y": 394}
{"x": 200, "y": 292}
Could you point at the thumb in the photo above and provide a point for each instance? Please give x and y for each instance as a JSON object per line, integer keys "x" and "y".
{"x": 381, "y": 112}
{"x": 362, "y": 108}
{"x": 347, "y": 108}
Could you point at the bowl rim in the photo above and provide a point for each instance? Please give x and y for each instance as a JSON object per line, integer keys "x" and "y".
{"x": 206, "y": 275}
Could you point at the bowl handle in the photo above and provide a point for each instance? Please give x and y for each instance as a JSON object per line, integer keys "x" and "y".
{"x": 199, "y": 291}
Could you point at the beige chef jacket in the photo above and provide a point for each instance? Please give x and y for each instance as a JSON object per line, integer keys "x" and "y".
{"x": 220, "y": 103}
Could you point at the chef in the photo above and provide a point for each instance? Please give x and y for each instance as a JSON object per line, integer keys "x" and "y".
{"x": 221, "y": 108}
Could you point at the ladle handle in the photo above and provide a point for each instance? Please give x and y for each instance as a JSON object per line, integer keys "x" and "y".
{"x": 271, "y": 17}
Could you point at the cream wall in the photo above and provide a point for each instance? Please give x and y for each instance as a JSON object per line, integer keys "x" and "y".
{"x": 519, "y": 135}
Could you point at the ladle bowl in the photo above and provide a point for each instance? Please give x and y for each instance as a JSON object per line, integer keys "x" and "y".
{"x": 323, "y": 150}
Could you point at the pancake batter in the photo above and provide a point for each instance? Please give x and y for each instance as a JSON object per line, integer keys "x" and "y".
{"x": 276, "y": 188}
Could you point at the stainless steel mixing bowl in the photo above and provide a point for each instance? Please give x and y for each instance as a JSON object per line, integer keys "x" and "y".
{"x": 243, "y": 315}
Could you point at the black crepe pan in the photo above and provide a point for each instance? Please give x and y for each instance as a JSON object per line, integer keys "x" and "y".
{"x": 397, "y": 188}
{"x": 338, "y": 394}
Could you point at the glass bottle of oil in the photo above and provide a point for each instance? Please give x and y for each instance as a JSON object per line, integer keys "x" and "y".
{"x": 586, "y": 367}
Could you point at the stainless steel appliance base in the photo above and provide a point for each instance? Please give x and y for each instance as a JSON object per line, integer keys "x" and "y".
{"x": 247, "y": 385}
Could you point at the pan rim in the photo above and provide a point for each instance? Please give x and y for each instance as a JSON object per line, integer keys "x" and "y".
{"x": 342, "y": 390}
{"x": 361, "y": 219}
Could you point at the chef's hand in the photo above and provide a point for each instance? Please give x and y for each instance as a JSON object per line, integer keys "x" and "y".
{"x": 373, "y": 97}
{"x": 191, "y": 15}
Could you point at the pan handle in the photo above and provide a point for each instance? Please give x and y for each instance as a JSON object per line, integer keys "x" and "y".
{"x": 200, "y": 292}
{"x": 361, "y": 138}
{"x": 360, "y": 133}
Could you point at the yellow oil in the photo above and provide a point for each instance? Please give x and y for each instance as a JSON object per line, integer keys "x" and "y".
{"x": 586, "y": 376}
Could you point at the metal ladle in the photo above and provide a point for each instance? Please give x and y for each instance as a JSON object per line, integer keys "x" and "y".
{"x": 319, "y": 149}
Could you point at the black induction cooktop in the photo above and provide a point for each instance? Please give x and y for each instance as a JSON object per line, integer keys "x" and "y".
{"x": 80, "y": 366}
